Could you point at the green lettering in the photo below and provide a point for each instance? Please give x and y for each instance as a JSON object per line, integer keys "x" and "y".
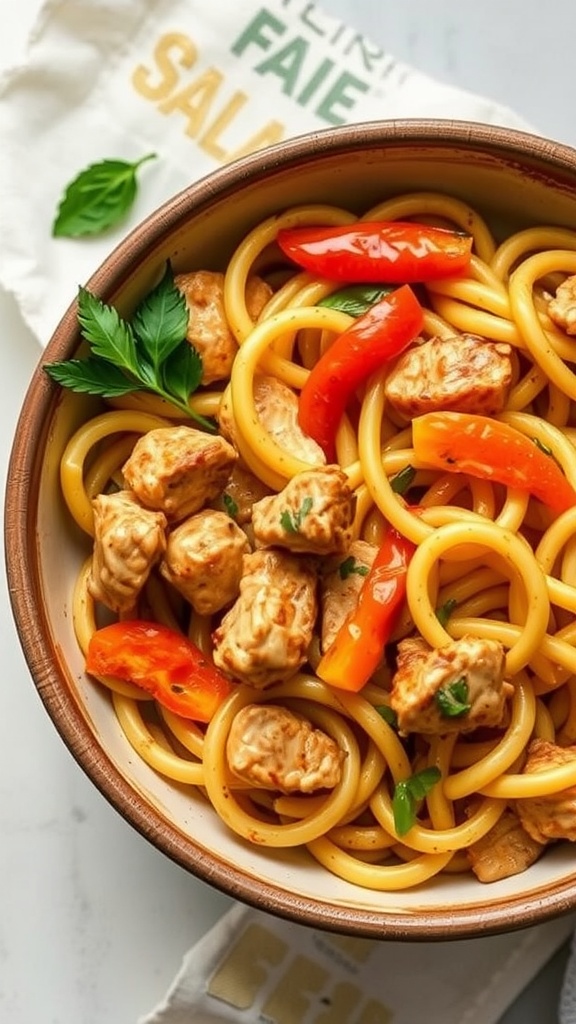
{"x": 255, "y": 33}
{"x": 314, "y": 83}
{"x": 286, "y": 63}
{"x": 339, "y": 96}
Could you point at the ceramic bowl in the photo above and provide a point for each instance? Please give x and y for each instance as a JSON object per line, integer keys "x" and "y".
{"x": 515, "y": 180}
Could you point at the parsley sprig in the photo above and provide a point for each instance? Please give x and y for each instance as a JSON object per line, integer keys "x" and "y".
{"x": 408, "y": 794}
{"x": 452, "y": 699}
{"x": 150, "y": 353}
{"x": 292, "y": 521}
{"x": 351, "y": 567}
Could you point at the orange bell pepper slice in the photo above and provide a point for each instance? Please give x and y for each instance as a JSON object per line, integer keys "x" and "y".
{"x": 162, "y": 662}
{"x": 459, "y": 442}
{"x": 359, "y": 645}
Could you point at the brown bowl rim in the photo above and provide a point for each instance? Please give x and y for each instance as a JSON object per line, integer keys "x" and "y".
{"x": 45, "y": 661}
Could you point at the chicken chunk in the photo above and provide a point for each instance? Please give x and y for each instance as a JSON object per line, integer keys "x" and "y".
{"x": 128, "y": 541}
{"x": 177, "y": 470}
{"x": 203, "y": 560}
{"x": 272, "y": 748}
{"x": 340, "y": 586}
{"x": 277, "y": 409}
{"x": 506, "y": 849}
{"x": 265, "y": 636}
{"x": 464, "y": 373}
{"x": 552, "y": 816}
{"x": 562, "y": 307}
{"x": 243, "y": 490}
{"x": 458, "y": 687}
{"x": 313, "y": 513}
{"x": 208, "y": 328}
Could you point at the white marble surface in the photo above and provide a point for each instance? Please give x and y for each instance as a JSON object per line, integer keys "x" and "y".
{"x": 93, "y": 920}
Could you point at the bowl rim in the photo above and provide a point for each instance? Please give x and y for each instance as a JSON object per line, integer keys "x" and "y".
{"x": 45, "y": 661}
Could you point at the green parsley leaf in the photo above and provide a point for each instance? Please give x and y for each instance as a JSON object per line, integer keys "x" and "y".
{"x": 291, "y": 522}
{"x": 388, "y": 714}
{"x": 97, "y": 198}
{"x": 350, "y": 566}
{"x": 90, "y": 377}
{"x": 408, "y": 794}
{"x": 110, "y": 337}
{"x": 403, "y": 480}
{"x": 357, "y": 298}
{"x": 445, "y": 610}
{"x": 161, "y": 320}
{"x": 124, "y": 359}
{"x": 452, "y": 699}
{"x": 230, "y": 505}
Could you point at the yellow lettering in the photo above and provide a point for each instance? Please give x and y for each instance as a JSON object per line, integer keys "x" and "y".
{"x": 343, "y": 1001}
{"x": 356, "y": 949}
{"x": 209, "y": 141}
{"x": 142, "y": 77}
{"x": 195, "y": 100}
{"x": 289, "y": 1000}
{"x": 240, "y": 977}
{"x": 267, "y": 136}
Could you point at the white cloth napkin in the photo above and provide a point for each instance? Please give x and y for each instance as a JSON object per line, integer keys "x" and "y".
{"x": 194, "y": 82}
{"x": 197, "y": 83}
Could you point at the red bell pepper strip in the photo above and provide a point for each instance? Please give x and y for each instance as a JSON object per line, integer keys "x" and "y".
{"x": 393, "y": 252}
{"x": 162, "y": 662}
{"x": 377, "y": 336}
{"x": 359, "y": 645}
{"x": 459, "y": 442}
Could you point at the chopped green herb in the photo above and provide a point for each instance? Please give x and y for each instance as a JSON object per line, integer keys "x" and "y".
{"x": 291, "y": 522}
{"x": 357, "y": 298}
{"x": 407, "y": 796}
{"x": 230, "y": 505}
{"x": 149, "y": 354}
{"x": 388, "y": 714}
{"x": 351, "y": 567}
{"x": 445, "y": 610}
{"x": 97, "y": 198}
{"x": 403, "y": 480}
{"x": 452, "y": 700}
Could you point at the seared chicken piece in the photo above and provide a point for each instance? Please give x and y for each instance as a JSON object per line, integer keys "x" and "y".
{"x": 455, "y": 688}
{"x": 243, "y": 490}
{"x": 277, "y": 408}
{"x": 265, "y": 636}
{"x": 464, "y": 373}
{"x": 553, "y": 816}
{"x": 562, "y": 308}
{"x": 272, "y": 748}
{"x": 203, "y": 560}
{"x": 208, "y": 328}
{"x": 177, "y": 470}
{"x": 340, "y": 586}
{"x": 507, "y": 849}
{"x": 313, "y": 513}
{"x": 128, "y": 541}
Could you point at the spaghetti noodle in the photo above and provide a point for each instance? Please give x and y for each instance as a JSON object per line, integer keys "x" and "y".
{"x": 498, "y": 558}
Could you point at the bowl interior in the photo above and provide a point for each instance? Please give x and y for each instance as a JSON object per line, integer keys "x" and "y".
{"x": 515, "y": 180}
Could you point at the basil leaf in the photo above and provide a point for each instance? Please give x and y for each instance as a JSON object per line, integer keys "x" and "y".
{"x": 407, "y": 795}
{"x": 97, "y": 198}
{"x": 403, "y": 480}
{"x": 357, "y": 298}
{"x": 445, "y": 610}
{"x": 160, "y": 322}
{"x": 91, "y": 377}
{"x": 350, "y": 567}
{"x": 452, "y": 700}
